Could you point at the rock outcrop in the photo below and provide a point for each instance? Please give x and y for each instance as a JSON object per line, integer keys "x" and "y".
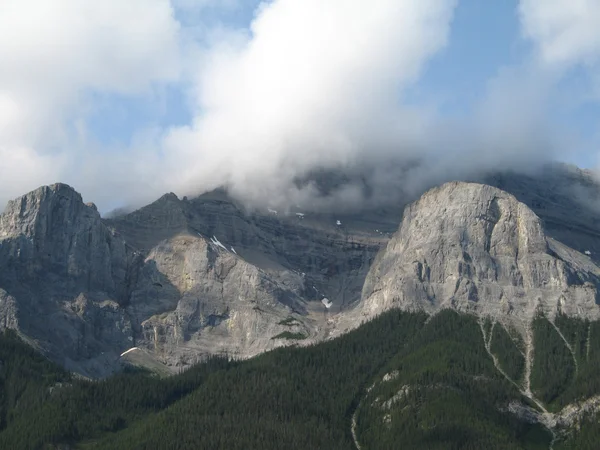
{"x": 196, "y": 298}
{"x": 566, "y": 198}
{"x": 475, "y": 248}
{"x": 65, "y": 278}
{"x": 73, "y": 285}
{"x": 184, "y": 278}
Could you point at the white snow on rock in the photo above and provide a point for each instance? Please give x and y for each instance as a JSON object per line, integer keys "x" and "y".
{"x": 233, "y": 250}
{"x": 272, "y": 211}
{"x": 215, "y": 241}
{"x": 587, "y": 252}
{"x": 338, "y": 223}
{"x": 327, "y": 303}
{"x": 300, "y": 215}
{"x": 130, "y": 350}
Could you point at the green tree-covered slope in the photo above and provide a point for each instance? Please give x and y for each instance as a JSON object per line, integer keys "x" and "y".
{"x": 405, "y": 380}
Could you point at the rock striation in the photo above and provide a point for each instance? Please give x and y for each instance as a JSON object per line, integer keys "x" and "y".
{"x": 181, "y": 279}
{"x": 196, "y": 297}
{"x": 477, "y": 249}
{"x": 70, "y": 283}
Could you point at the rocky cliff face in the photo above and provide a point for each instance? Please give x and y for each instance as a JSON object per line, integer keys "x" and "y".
{"x": 184, "y": 278}
{"x": 334, "y": 252}
{"x": 566, "y": 198}
{"x": 50, "y": 232}
{"x": 478, "y": 249}
{"x": 196, "y": 297}
{"x": 64, "y": 278}
{"x": 75, "y": 287}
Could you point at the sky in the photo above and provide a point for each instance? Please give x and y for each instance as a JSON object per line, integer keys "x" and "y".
{"x": 128, "y": 100}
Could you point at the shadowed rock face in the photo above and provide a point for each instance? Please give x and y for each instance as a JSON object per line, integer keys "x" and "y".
{"x": 65, "y": 278}
{"x": 333, "y": 258}
{"x": 477, "y": 249}
{"x": 566, "y": 198}
{"x": 181, "y": 279}
{"x": 50, "y": 232}
{"x": 74, "y": 286}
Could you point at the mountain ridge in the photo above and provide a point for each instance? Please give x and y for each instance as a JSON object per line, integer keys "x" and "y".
{"x": 177, "y": 271}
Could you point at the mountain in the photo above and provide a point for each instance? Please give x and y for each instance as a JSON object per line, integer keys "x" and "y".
{"x": 475, "y": 248}
{"x": 466, "y": 318}
{"x": 64, "y": 278}
{"x": 83, "y": 295}
{"x": 182, "y": 279}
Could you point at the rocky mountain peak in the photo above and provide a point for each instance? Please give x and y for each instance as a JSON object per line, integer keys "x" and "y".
{"x": 479, "y": 216}
{"x": 475, "y": 248}
{"x": 39, "y": 210}
{"x": 50, "y": 231}
{"x": 183, "y": 278}
{"x": 63, "y": 278}
{"x": 168, "y": 197}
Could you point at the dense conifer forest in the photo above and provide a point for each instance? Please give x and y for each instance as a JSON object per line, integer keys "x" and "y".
{"x": 444, "y": 392}
{"x": 427, "y": 383}
{"x": 509, "y": 351}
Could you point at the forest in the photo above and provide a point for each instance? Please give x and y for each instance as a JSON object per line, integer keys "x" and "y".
{"x": 400, "y": 378}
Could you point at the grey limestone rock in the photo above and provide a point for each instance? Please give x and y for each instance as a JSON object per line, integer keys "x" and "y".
{"x": 218, "y": 303}
{"x": 475, "y": 248}
{"x": 64, "y": 277}
{"x": 8, "y": 311}
{"x": 181, "y": 279}
{"x": 72, "y": 285}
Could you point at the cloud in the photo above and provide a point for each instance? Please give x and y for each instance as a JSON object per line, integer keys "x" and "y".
{"x": 197, "y": 6}
{"x": 51, "y": 55}
{"x": 314, "y": 85}
{"x": 566, "y": 35}
{"x": 566, "y": 32}
{"x": 277, "y": 107}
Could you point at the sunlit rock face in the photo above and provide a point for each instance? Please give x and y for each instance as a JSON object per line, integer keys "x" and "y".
{"x": 185, "y": 278}
{"x": 475, "y": 248}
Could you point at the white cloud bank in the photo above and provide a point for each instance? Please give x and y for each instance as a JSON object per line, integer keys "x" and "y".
{"x": 316, "y": 84}
{"x": 567, "y": 32}
{"x": 312, "y": 84}
{"x": 51, "y": 54}
{"x": 566, "y": 35}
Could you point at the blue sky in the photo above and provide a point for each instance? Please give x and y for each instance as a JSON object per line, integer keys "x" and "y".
{"x": 126, "y": 102}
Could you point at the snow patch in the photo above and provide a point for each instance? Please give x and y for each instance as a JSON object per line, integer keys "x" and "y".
{"x": 215, "y": 241}
{"x": 272, "y": 211}
{"x": 327, "y": 303}
{"x": 338, "y": 223}
{"x": 130, "y": 350}
{"x": 587, "y": 252}
{"x": 233, "y": 250}
{"x": 300, "y": 215}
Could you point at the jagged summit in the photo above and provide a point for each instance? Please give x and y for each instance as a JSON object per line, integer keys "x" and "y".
{"x": 58, "y": 202}
{"x": 85, "y": 293}
{"x": 183, "y": 278}
{"x": 64, "y": 277}
{"x": 170, "y": 196}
